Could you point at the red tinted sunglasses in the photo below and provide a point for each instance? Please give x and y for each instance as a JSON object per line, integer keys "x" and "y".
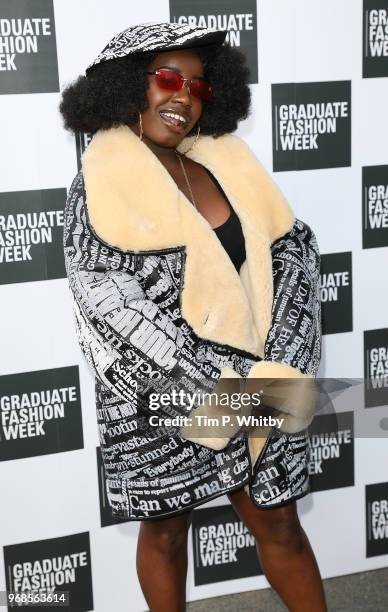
{"x": 173, "y": 81}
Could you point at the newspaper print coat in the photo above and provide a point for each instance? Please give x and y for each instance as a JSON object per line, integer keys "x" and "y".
{"x": 159, "y": 307}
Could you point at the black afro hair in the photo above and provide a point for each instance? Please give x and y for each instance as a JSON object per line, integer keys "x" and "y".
{"x": 114, "y": 92}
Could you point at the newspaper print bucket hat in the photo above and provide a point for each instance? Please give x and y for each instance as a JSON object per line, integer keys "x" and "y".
{"x": 157, "y": 37}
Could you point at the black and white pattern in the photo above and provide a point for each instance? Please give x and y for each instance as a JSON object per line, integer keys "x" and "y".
{"x": 131, "y": 331}
{"x": 157, "y": 37}
{"x": 281, "y": 473}
{"x": 295, "y": 336}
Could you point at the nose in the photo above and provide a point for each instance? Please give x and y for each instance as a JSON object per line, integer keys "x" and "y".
{"x": 183, "y": 95}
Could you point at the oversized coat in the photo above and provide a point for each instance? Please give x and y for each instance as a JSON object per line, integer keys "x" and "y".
{"x": 159, "y": 306}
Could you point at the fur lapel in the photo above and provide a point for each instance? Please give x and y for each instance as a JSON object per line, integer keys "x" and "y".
{"x": 134, "y": 205}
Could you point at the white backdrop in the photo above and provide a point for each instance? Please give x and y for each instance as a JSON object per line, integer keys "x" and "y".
{"x": 55, "y": 495}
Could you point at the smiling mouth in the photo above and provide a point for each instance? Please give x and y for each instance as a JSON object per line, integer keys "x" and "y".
{"x": 174, "y": 119}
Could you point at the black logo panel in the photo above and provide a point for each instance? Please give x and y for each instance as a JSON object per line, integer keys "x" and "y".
{"x": 374, "y": 206}
{"x": 56, "y": 565}
{"x": 28, "y": 50}
{"x": 376, "y": 508}
{"x": 311, "y": 125}
{"x": 40, "y": 413}
{"x": 376, "y": 367}
{"x": 375, "y": 38}
{"x": 31, "y": 235}
{"x": 223, "y": 547}
{"x": 336, "y": 293}
{"x": 331, "y": 440}
{"x": 239, "y": 19}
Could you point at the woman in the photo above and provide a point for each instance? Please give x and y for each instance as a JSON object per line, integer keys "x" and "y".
{"x": 189, "y": 274}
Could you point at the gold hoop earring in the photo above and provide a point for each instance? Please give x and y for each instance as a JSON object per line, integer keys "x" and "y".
{"x": 141, "y": 126}
{"x": 195, "y": 140}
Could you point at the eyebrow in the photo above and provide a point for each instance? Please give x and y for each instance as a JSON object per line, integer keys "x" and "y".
{"x": 177, "y": 70}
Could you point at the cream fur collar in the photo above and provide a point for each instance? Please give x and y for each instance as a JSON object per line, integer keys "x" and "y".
{"x": 134, "y": 205}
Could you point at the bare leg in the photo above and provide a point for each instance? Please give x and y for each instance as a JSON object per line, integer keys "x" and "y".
{"x": 161, "y": 562}
{"x": 286, "y": 556}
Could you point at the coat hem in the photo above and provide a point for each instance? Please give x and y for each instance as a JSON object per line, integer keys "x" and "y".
{"x": 283, "y": 503}
{"x": 122, "y": 515}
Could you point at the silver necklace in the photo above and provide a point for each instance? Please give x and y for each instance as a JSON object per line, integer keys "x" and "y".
{"x": 187, "y": 180}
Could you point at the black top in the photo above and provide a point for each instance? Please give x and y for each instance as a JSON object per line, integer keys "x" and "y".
{"x": 230, "y": 233}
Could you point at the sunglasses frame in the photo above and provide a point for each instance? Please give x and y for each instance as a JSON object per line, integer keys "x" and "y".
{"x": 184, "y": 81}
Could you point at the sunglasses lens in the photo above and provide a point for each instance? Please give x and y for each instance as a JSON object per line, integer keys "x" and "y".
{"x": 173, "y": 81}
{"x": 168, "y": 79}
{"x": 201, "y": 89}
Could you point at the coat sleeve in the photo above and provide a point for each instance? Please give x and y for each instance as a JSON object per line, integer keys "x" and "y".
{"x": 132, "y": 347}
{"x": 293, "y": 345}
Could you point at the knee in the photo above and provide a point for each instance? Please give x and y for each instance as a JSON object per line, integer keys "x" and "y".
{"x": 167, "y": 541}
{"x": 283, "y": 530}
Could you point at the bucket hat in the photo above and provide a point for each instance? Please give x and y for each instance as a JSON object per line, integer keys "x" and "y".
{"x": 157, "y": 37}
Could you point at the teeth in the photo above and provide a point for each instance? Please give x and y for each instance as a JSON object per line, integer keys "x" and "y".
{"x": 174, "y": 116}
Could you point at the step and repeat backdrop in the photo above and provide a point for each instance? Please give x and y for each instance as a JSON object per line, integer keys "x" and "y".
{"x": 319, "y": 80}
